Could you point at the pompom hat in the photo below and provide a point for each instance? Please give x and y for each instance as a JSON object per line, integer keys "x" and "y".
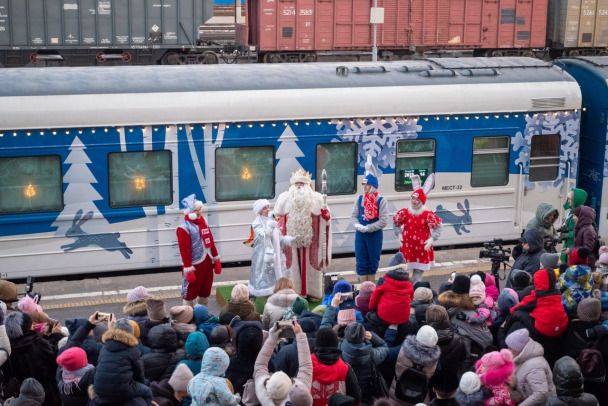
{"x": 240, "y": 293}
{"x": 470, "y": 383}
{"x": 278, "y": 385}
{"x": 518, "y": 339}
{"x": 496, "y": 359}
{"x": 589, "y": 309}
{"x": 180, "y": 378}
{"x": 72, "y": 359}
{"x": 138, "y": 293}
{"x": 427, "y": 336}
{"x": 461, "y": 284}
{"x": 477, "y": 287}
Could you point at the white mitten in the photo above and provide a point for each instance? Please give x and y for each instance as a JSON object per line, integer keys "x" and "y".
{"x": 428, "y": 244}
{"x": 268, "y": 257}
{"x": 287, "y": 240}
{"x": 360, "y": 227}
{"x": 272, "y": 224}
{"x": 400, "y": 239}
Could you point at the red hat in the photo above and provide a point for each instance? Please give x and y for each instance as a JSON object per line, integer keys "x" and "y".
{"x": 419, "y": 194}
{"x": 73, "y": 359}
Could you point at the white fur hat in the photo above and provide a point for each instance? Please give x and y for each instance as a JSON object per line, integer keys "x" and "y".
{"x": 427, "y": 336}
{"x": 190, "y": 204}
{"x": 470, "y": 383}
{"x": 259, "y": 205}
{"x": 278, "y": 385}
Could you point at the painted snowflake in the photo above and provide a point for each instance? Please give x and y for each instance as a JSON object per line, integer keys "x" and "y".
{"x": 606, "y": 156}
{"x": 564, "y": 124}
{"x": 377, "y": 137}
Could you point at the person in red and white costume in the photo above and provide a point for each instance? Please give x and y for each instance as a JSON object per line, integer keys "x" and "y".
{"x": 302, "y": 214}
{"x": 421, "y": 228}
{"x": 199, "y": 254}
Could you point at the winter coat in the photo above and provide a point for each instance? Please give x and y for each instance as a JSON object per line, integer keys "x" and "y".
{"x": 585, "y": 233}
{"x": 244, "y": 309}
{"x": 209, "y": 388}
{"x": 164, "y": 353}
{"x": 287, "y": 358}
{"x": 413, "y": 353}
{"x": 497, "y": 381}
{"x": 303, "y": 378}
{"x": 576, "y": 284}
{"x": 474, "y": 399}
{"x": 568, "y": 381}
{"x": 359, "y": 356}
{"x": 196, "y": 345}
{"x": 392, "y": 299}
{"x": 533, "y": 376}
{"x": 248, "y": 341}
{"x": 529, "y": 261}
{"x": 32, "y": 356}
{"x": 118, "y": 367}
{"x": 77, "y": 394}
{"x": 453, "y": 351}
{"x": 146, "y": 325}
{"x": 81, "y": 338}
{"x": 541, "y": 223}
{"x": 276, "y": 305}
{"x": 163, "y": 394}
{"x": 491, "y": 288}
{"x": 579, "y": 196}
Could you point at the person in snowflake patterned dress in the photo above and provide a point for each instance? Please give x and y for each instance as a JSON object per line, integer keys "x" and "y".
{"x": 421, "y": 227}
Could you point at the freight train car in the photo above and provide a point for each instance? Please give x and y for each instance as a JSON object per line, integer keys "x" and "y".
{"x": 94, "y": 162}
{"x": 93, "y": 32}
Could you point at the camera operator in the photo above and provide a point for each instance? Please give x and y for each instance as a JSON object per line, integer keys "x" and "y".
{"x": 546, "y": 216}
{"x": 529, "y": 259}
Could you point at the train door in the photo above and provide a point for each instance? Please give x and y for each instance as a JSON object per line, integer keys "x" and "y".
{"x": 324, "y": 23}
{"x": 352, "y": 27}
{"x": 587, "y": 25}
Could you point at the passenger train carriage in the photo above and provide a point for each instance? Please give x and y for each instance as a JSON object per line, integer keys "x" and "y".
{"x": 94, "y": 162}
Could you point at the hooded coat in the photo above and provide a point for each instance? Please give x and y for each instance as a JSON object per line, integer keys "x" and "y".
{"x": 164, "y": 353}
{"x": 529, "y": 260}
{"x": 196, "y": 345}
{"x": 248, "y": 340}
{"x": 413, "y": 353}
{"x": 393, "y": 298}
{"x": 576, "y": 284}
{"x": 585, "y": 233}
{"x": 164, "y": 394}
{"x": 276, "y": 305}
{"x": 244, "y": 309}
{"x": 208, "y": 387}
{"x": 568, "y": 380}
{"x": 533, "y": 376}
{"x": 453, "y": 350}
{"x": 542, "y": 223}
{"x": 579, "y": 196}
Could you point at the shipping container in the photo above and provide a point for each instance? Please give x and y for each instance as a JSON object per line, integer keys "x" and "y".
{"x": 577, "y": 27}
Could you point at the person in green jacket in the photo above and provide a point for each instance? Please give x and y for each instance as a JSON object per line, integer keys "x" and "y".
{"x": 576, "y": 197}
{"x": 544, "y": 221}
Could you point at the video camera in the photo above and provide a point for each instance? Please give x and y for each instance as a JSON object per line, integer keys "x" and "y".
{"x": 493, "y": 249}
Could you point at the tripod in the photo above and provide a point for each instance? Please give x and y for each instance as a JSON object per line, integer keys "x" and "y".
{"x": 495, "y": 269}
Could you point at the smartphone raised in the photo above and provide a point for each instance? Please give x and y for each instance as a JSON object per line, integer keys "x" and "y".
{"x": 285, "y": 329}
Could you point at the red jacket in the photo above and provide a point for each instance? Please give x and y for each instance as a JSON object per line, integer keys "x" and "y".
{"x": 392, "y": 299}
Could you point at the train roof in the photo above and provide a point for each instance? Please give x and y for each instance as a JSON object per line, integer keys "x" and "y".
{"x": 154, "y": 95}
{"x": 598, "y": 64}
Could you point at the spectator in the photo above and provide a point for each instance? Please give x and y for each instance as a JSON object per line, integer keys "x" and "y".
{"x": 204, "y": 321}
{"x": 295, "y": 310}
{"x": 284, "y": 296}
{"x": 362, "y": 299}
{"x": 544, "y": 221}
{"x": 208, "y": 387}
{"x": 470, "y": 391}
{"x": 240, "y": 304}
{"x": 164, "y": 355}
{"x": 444, "y": 384}
{"x": 453, "y": 353}
{"x": 287, "y": 358}
{"x": 495, "y": 370}
{"x": 196, "y": 345}
{"x": 74, "y": 376}
{"x": 248, "y": 340}
{"x": 585, "y": 234}
{"x": 135, "y": 308}
{"x": 182, "y": 321}
{"x": 576, "y": 282}
{"x": 157, "y": 315}
{"x": 31, "y": 394}
{"x": 529, "y": 259}
{"x": 392, "y": 299}
{"x": 171, "y": 392}
{"x": 568, "y": 380}
{"x": 221, "y": 337}
{"x": 576, "y": 198}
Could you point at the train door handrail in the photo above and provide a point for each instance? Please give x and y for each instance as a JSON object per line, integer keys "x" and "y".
{"x": 520, "y": 193}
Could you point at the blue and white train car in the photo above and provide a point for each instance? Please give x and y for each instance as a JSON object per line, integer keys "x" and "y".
{"x": 94, "y": 162}
{"x": 592, "y": 75}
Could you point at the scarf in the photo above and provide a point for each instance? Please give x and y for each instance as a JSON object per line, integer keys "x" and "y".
{"x": 72, "y": 378}
{"x": 370, "y": 206}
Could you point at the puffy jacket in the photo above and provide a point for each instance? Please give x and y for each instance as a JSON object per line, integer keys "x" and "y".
{"x": 530, "y": 261}
{"x": 568, "y": 381}
{"x": 533, "y": 376}
{"x": 276, "y": 305}
{"x": 393, "y": 298}
{"x": 164, "y": 353}
{"x": 541, "y": 223}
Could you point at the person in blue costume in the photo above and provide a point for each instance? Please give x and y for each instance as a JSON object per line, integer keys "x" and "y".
{"x": 369, "y": 217}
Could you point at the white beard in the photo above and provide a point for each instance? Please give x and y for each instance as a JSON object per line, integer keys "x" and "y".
{"x": 299, "y": 220}
{"x": 416, "y": 211}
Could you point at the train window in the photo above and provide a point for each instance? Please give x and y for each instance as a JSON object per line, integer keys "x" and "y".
{"x": 31, "y": 184}
{"x": 544, "y": 157}
{"x": 140, "y": 178}
{"x": 490, "y": 165}
{"x": 414, "y": 157}
{"x": 244, "y": 173}
{"x": 340, "y": 162}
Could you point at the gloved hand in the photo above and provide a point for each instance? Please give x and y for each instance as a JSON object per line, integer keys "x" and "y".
{"x": 428, "y": 244}
{"x": 400, "y": 239}
{"x": 325, "y": 214}
{"x": 399, "y": 234}
{"x": 191, "y": 276}
{"x": 272, "y": 224}
{"x": 274, "y": 331}
{"x": 361, "y": 228}
{"x": 217, "y": 268}
{"x": 268, "y": 257}
{"x": 288, "y": 239}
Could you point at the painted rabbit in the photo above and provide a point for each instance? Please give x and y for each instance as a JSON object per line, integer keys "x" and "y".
{"x": 107, "y": 241}
{"x": 458, "y": 222}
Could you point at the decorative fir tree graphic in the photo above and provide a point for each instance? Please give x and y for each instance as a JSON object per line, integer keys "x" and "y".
{"x": 287, "y": 154}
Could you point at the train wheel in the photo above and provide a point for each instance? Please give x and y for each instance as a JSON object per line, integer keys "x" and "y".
{"x": 170, "y": 58}
{"x": 101, "y": 57}
{"x": 126, "y": 56}
{"x": 208, "y": 58}
{"x": 575, "y": 52}
{"x": 602, "y": 52}
{"x": 528, "y": 54}
{"x": 34, "y": 58}
{"x": 308, "y": 57}
{"x": 498, "y": 53}
{"x": 275, "y": 57}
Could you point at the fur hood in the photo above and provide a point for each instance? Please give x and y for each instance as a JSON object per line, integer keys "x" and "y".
{"x": 398, "y": 275}
{"x": 137, "y": 308}
{"x": 121, "y": 336}
{"x": 420, "y": 354}
{"x": 283, "y": 298}
{"x": 450, "y": 299}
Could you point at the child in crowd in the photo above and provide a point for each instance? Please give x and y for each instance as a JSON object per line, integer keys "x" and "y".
{"x": 484, "y": 305}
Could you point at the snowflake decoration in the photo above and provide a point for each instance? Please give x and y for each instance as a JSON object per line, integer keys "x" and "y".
{"x": 566, "y": 125}
{"x": 606, "y": 155}
{"x": 377, "y": 137}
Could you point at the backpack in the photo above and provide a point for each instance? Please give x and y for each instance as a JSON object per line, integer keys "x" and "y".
{"x": 591, "y": 361}
{"x": 412, "y": 385}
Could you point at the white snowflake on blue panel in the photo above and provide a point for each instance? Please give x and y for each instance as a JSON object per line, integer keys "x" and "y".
{"x": 606, "y": 156}
{"x": 377, "y": 137}
{"x": 566, "y": 125}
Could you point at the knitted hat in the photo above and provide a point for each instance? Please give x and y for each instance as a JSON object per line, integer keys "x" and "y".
{"x": 424, "y": 295}
{"x": 17, "y": 324}
{"x": 138, "y": 293}
{"x": 308, "y": 324}
{"x": 124, "y": 325}
{"x": 461, "y": 284}
{"x": 300, "y": 305}
{"x": 589, "y": 309}
{"x": 549, "y": 260}
{"x": 326, "y": 337}
{"x": 29, "y": 304}
{"x": 603, "y": 254}
{"x": 136, "y": 331}
{"x": 32, "y": 389}
{"x": 427, "y": 336}
{"x": 343, "y": 286}
{"x": 72, "y": 359}
{"x": 240, "y": 293}
{"x": 74, "y": 324}
{"x": 520, "y": 279}
{"x": 8, "y": 291}
{"x": 156, "y": 309}
{"x": 496, "y": 359}
{"x": 346, "y": 316}
{"x": 507, "y": 299}
{"x": 319, "y": 310}
{"x": 278, "y": 385}
{"x": 419, "y": 194}
{"x": 579, "y": 257}
{"x": 477, "y": 287}
{"x": 365, "y": 292}
{"x": 299, "y": 395}
{"x": 436, "y": 313}
{"x": 259, "y": 205}
{"x": 370, "y": 180}
{"x": 470, "y": 383}
{"x": 180, "y": 378}
{"x": 182, "y": 314}
{"x": 397, "y": 260}
{"x": 201, "y": 314}
{"x": 518, "y": 339}
{"x": 354, "y": 333}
